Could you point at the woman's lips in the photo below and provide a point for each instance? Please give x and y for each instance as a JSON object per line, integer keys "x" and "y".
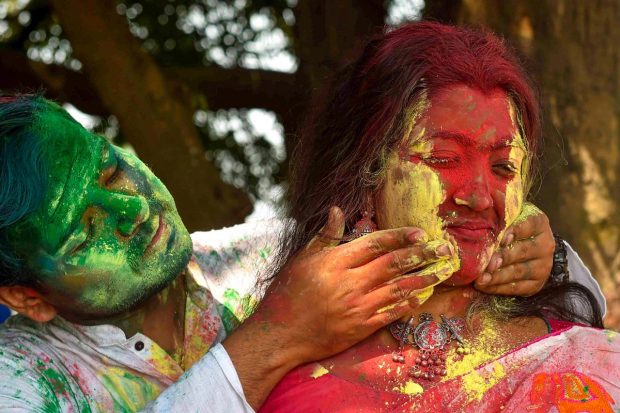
{"x": 473, "y": 231}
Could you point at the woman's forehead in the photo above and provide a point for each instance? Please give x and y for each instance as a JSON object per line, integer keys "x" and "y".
{"x": 462, "y": 110}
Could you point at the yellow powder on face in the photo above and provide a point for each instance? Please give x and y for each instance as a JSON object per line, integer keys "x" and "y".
{"x": 410, "y": 388}
{"x": 527, "y": 211}
{"x": 412, "y": 195}
{"x": 417, "y": 189}
{"x": 318, "y": 371}
{"x": 515, "y": 189}
{"x": 514, "y": 208}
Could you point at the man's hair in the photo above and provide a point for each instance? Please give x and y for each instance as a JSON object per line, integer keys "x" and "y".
{"x": 23, "y": 178}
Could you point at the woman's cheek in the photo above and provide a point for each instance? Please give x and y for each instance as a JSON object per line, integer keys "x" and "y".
{"x": 411, "y": 196}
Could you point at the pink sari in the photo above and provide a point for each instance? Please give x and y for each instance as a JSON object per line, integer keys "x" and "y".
{"x": 571, "y": 369}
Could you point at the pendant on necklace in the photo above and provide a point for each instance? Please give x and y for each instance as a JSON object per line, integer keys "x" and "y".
{"x": 432, "y": 340}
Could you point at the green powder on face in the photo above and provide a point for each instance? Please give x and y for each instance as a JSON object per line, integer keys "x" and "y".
{"x": 88, "y": 243}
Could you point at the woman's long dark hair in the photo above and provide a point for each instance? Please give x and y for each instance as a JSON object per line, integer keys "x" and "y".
{"x": 340, "y": 156}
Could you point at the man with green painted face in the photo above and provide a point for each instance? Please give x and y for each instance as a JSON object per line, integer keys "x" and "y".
{"x": 120, "y": 308}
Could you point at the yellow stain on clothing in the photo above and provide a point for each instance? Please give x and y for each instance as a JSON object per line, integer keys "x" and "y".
{"x": 476, "y": 384}
{"x": 483, "y": 349}
{"x": 164, "y": 363}
{"x": 318, "y": 371}
{"x": 611, "y": 335}
{"x": 411, "y": 388}
{"x": 129, "y": 392}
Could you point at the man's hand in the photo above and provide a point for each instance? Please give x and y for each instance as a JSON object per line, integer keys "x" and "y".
{"x": 329, "y": 298}
{"x": 522, "y": 264}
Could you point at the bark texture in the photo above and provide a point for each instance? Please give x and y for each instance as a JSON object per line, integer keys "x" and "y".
{"x": 573, "y": 50}
{"x": 154, "y": 113}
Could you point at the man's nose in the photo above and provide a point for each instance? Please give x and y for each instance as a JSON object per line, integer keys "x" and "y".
{"x": 130, "y": 211}
{"x": 474, "y": 194}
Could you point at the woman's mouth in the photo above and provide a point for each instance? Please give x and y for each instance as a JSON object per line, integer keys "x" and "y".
{"x": 471, "y": 230}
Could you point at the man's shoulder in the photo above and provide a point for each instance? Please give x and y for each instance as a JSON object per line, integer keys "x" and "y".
{"x": 229, "y": 263}
{"x": 236, "y": 253}
{"x": 243, "y": 238}
{"x": 36, "y": 362}
{"x": 18, "y": 329}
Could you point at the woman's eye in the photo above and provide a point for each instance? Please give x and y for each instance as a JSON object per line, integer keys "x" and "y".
{"x": 89, "y": 234}
{"x": 440, "y": 161}
{"x": 506, "y": 169}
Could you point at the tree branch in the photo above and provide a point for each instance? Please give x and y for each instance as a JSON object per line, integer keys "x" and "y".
{"x": 223, "y": 88}
{"x": 18, "y": 74}
{"x": 238, "y": 88}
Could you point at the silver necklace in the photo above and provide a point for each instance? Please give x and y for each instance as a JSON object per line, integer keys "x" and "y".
{"x": 432, "y": 339}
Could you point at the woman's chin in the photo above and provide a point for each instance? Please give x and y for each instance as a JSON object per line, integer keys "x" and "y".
{"x": 467, "y": 274}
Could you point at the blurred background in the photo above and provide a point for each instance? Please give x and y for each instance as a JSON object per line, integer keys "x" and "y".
{"x": 210, "y": 93}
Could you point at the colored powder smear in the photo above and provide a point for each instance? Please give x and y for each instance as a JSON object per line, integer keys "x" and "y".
{"x": 476, "y": 384}
{"x": 318, "y": 371}
{"x": 483, "y": 349}
{"x": 515, "y": 189}
{"x": 411, "y": 388}
{"x": 417, "y": 188}
{"x": 130, "y": 392}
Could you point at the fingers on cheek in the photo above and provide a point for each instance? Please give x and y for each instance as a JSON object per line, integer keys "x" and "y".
{"x": 417, "y": 282}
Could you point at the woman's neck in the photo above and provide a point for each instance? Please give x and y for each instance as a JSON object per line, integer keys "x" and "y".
{"x": 451, "y": 301}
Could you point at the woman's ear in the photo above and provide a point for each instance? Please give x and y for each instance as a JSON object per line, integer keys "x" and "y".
{"x": 28, "y": 302}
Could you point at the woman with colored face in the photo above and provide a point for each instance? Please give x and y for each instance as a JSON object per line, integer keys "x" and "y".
{"x": 460, "y": 174}
{"x": 434, "y": 127}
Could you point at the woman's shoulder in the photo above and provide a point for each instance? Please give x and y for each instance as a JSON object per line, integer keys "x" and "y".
{"x": 566, "y": 338}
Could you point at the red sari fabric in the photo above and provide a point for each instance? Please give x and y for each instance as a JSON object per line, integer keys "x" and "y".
{"x": 571, "y": 369}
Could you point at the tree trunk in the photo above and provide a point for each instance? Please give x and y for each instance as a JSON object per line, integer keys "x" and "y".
{"x": 327, "y": 34}
{"x": 573, "y": 50}
{"x": 155, "y": 114}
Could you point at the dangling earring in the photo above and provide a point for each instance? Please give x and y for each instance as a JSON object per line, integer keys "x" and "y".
{"x": 364, "y": 226}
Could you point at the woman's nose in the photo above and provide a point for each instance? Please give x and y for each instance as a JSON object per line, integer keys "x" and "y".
{"x": 475, "y": 195}
{"x": 130, "y": 211}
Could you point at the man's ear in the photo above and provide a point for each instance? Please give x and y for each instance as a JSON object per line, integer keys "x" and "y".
{"x": 28, "y": 302}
